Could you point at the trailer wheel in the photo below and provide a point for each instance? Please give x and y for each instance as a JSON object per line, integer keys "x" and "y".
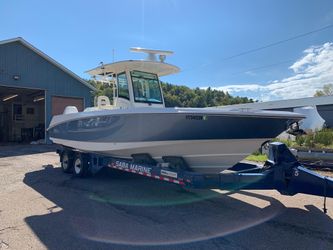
{"x": 66, "y": 162}
{"x": 81, "y": 165}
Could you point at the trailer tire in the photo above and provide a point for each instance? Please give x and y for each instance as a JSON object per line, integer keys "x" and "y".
{"x": 66, "y": 162}
{"x": 81, "y": 165}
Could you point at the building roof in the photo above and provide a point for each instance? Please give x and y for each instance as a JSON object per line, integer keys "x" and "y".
{"x": 49, "y": 59}
{"x": 290, "y": 103}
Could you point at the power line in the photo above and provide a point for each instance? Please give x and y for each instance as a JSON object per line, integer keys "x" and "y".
{"x": 278, "y": 42}
{"x": 264, "y": 67}
{"x": 264, "y": 47}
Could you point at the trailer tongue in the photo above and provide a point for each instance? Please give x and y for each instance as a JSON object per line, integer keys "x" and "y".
{"x": 281, "y": 172}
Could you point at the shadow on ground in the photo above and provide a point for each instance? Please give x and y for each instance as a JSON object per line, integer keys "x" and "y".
{"x": 121, "y": 211}
{"x": 25, "y": 149}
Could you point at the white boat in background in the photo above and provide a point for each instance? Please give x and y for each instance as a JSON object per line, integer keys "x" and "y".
{"x": 137, "y": 122}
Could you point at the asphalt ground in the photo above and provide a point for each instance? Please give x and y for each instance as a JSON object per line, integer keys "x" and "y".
{"x": 43, "y": 208}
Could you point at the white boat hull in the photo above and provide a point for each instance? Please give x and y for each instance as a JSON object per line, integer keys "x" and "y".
{"x": 208, "y": 156}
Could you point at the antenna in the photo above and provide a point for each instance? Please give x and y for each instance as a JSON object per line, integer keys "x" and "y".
{"x": 112, "y": 55}
{"x": 152, "y": 53}
{"x": 102, "y": 67}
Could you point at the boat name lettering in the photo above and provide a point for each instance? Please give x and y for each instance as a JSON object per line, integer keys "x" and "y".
{"x": 196, "y": 117}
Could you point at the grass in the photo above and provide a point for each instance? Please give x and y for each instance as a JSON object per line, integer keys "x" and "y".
{"x": 322, "y": 139}
{"x": 319, "y": 140}
{"x": 262, "y": 158}
{"x": 257, "y": 157}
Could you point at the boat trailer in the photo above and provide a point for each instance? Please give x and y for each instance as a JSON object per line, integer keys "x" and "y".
{"x": 281, "y": 172}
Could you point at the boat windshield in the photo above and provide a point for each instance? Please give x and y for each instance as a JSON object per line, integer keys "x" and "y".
{"x": 146, "y": 87}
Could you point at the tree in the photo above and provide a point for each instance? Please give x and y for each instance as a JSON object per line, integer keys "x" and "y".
{"x": 326, "y": 91}
{"x": 183, "y": 96}
{"x": 102, "y": 89}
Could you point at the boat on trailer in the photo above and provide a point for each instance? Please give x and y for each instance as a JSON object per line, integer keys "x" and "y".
{"x": 206, "y": 140}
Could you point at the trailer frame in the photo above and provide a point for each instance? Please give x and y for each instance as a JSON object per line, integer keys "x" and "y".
{"x": 281, "y": 172}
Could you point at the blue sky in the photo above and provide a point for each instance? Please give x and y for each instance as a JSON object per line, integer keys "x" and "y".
{"x": 80, "y": 34}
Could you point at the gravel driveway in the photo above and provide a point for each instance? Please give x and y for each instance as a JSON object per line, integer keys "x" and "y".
{"x": 43, "y": 208}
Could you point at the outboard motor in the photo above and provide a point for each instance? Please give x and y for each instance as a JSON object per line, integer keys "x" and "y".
{"x": 313, "y": 121}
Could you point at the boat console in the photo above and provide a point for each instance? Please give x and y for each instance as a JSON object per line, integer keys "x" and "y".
{"x": 135, "y": 83}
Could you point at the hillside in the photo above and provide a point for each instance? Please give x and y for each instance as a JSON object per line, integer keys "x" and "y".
{"x": 182, "y": 96}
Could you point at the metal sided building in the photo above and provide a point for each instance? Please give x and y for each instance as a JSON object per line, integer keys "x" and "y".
{"x": 324, "y": 105}
{"x": 33, "y": 88}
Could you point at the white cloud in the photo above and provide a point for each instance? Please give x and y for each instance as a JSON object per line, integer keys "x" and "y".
{"x": 311, "y": 72}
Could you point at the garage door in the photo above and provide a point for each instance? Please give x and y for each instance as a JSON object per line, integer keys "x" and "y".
{"x": 60, "y": 103}
{"x": 22, "y": 115}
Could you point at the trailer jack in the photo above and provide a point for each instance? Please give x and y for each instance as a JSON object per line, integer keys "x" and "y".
{"x": 282, "y": 172}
